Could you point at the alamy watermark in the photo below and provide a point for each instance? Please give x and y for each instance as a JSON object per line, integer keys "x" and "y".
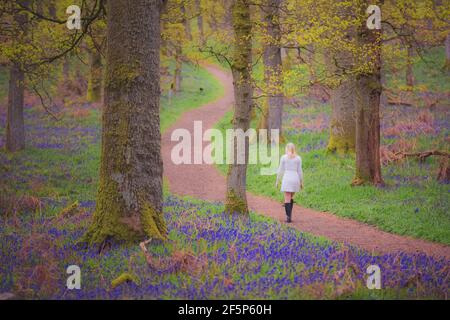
{"x": 74, "y": 20}
{"x": 190, "y": 148}
{"x": 74, "y": 280}
{"x": 374, "y": 278}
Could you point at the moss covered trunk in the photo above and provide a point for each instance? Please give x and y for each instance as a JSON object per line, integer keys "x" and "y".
{"x": 409, "y": 65}
{"x": 447, "y": 53}
{"x": 340, "y": 61}
{"x": 94, "y": 92}
{"x": 342, "y": 124}
{"x": 129, "y": 198}
{"x": 367, "y": 95}
{"x": 236, "y": 199}
{"x": 15, "y": 129}
{"x": 273, "y": 67}
{"x": 177, "y": 76}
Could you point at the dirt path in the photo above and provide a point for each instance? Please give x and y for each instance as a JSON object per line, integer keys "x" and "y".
{"x": 205, "y": 182}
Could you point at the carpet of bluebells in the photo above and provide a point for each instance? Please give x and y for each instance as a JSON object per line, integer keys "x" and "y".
{"x": 209, "y": 255}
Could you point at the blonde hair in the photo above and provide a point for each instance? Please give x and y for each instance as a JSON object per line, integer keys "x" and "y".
{"x": 290, "y": 150}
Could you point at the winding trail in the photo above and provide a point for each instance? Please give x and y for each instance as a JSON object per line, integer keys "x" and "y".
{"x": 205, "y": 182}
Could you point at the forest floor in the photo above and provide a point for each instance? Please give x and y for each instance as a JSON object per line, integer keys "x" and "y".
{"x": 204, "y": 181}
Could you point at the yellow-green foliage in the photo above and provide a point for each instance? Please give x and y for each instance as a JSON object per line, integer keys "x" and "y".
{"x": 341, "y": 144}
{"x": 125, "y": 277}
{"x": 242, "y": 25}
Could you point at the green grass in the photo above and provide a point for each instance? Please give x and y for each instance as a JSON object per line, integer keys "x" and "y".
{"x": 71, "y": 174}
{"x": 412, "y": 203}
{"x": 191, "y": 97}
{"x": 427, "y": 70}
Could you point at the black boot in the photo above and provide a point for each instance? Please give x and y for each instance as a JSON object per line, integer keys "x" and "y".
{"x": 290, "y": 211}
{"x": 287, "y": 208}
{"x": 291, "y": 205}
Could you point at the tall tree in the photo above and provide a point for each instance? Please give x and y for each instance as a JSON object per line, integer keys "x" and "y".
{"x": 273, "y": 66}
{"x": 342, "y": 124}
{"x": 340, "y": 60}
{"x": 186, "y": 22}
{"x": 94, "y": 91}
{"x": 447, "y": 53}
{"x": 96, "y": 46}
{"x": 367, "y": 96}
{"x": 177, "y": 73}
{"x": 15, "y": 127}
{"x": 129, "y": 199}
{"x": 409, "y": 65}
{"x": 236, "y": 199}
{"x": 200, "y": 14}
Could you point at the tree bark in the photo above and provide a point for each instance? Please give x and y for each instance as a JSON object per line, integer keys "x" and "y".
{"x": 273, "y": 68}
{"x": 200, "y": 22}
{"x": 310, "y": 62}
{"x": 15, "y": 128}
{"x": 177, "y": 77}
{"x": 368, "y": 91}
{"x": 186, "y": 23}
{"x": 94, "y": 92}
{"x": 66, "y": 68}
{"x": 236, "y": 199}
{"x": 447, "y": 53}
{"x": 129, "y": 198}
{"x": 342, "y": 124}
{"x": 409, "y": 66}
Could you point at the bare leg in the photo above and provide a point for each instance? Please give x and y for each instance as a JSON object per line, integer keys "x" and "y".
{"x": 287, "y": 197}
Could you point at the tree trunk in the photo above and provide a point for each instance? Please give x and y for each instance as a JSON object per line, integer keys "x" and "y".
{"x": 186, "y": 23}
{"x": 273, "y": 68}
{"x": 66, "y": 68}
{"x": 409, "y": 66}
{"x": 94, "y": 92}
{"x": 310, "y": 62}
{"x": 15, "y": 128}
{"x": 228, "y": 18}
{"x": 342, "y": 124}
{"x": 236, "y": 199}
{"x": 129, "y": 198}
{"x": 367, "y": 94}
{"x": 177, "y": 77}
{"x": 447, "y": 53}
{"x": 200, "y": 22}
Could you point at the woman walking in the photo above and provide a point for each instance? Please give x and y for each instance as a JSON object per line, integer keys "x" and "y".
{"x": 291, "y": 172}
